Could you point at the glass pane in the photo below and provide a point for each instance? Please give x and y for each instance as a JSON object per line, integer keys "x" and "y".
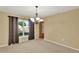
{"x": 26, "y": 23}
{"x": 26, "y": 27}
{"x": 20, "y": 27}
{"x": 20, "y": 23}
{"x": 26, "y": 33}
{"x": 23, "y": 27}
{"x": 20, "y": 33}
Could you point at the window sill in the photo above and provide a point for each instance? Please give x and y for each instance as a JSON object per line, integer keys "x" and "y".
{"x": 23, "y": 36}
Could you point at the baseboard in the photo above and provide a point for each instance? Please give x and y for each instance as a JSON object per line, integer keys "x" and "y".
{"x": 62, "y": 45}
{"x": 4, "y": 45}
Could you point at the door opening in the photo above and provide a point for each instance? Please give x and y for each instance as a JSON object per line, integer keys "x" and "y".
{"x": 41, "y": 30}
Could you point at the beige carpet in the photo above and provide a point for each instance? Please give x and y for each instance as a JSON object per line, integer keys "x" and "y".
{"x": 36, "y": 46}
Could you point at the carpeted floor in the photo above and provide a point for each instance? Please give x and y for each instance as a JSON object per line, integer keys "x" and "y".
{"x": 36, "y": 46}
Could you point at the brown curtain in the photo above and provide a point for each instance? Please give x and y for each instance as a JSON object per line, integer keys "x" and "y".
{"x": 31, "y": 30}
{"x": 13, "y": 30}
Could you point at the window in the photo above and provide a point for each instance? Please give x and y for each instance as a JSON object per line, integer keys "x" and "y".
{"x": 23, "y": 27}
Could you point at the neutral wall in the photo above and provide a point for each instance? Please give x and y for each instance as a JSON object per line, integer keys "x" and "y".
{"x": 63, "y": 28}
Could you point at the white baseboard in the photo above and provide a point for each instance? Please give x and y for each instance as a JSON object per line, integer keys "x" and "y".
{"x": 62, "y": 44}
{"x": 4, "y": 45}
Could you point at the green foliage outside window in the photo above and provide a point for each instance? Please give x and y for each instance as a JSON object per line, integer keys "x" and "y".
{"x": 22, "y": 24}
{"x": 20, "y": 34}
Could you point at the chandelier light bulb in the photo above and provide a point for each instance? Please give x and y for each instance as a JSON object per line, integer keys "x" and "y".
{"x": 37, "y": 18}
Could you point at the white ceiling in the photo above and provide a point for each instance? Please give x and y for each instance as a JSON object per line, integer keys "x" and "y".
{"x": 43, "y": 11}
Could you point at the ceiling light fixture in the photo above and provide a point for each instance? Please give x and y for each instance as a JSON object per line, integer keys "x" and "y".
{"x": 37, "y": 19}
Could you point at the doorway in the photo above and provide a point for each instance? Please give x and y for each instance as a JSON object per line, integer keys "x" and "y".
{"x": 41, "y": 30}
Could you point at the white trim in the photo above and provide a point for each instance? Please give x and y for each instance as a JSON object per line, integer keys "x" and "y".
{"x": 62, "y": 44}
{"x": 4, "y": 45}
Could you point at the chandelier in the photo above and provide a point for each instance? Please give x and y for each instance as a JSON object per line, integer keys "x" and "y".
{"x": 37, "y": 19}
{"x": 36, "y": 15}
